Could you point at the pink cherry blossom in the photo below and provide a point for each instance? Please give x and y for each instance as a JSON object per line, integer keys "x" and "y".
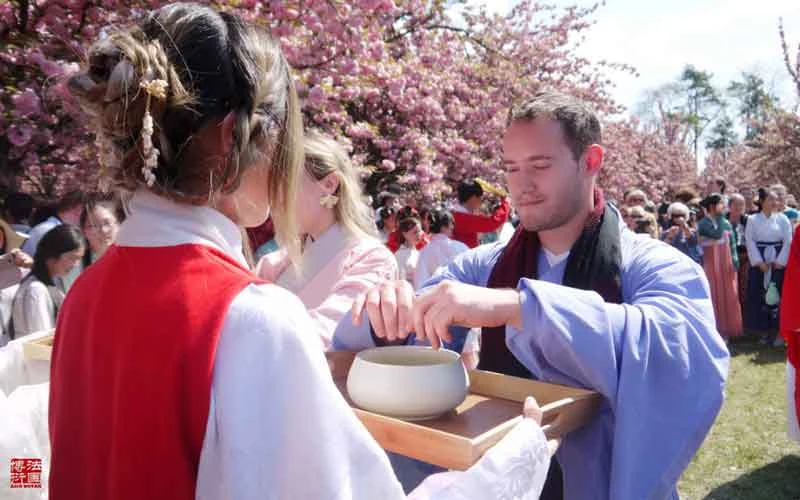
{"x": 20, "y": 135}
{"x": 26, "y": 104}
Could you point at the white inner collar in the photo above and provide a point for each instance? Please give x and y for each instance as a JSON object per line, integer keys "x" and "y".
{"x": 553, "y": 259}
{"x": 154, "y": 221}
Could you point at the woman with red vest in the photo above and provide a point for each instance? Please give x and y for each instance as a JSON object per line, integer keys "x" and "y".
{"x": 176, "y": 373}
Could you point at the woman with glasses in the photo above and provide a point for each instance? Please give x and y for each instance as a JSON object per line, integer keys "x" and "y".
{"x": 99, "y": 224}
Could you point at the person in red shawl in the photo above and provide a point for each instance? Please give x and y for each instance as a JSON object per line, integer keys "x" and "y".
{"x": 394, "y": 243}
{"x": 790, "y": 329}
{"x": 468, "y": 222}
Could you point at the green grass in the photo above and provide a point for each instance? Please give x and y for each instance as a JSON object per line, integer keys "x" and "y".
{"x": 747, "y": 455}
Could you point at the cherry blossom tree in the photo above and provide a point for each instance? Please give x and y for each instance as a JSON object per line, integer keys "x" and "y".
{"x": 417, "y": 90}
{"x": 641, "y": 157}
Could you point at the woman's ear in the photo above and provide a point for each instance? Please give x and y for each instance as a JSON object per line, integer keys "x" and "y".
{"x": 330, "y": 183}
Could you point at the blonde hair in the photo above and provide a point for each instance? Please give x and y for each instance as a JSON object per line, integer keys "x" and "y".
{"x": 214, "y": 65}
{"x": 324, "y": 156}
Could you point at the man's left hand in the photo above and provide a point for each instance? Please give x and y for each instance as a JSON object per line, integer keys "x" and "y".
{"x": 453, "y": 303}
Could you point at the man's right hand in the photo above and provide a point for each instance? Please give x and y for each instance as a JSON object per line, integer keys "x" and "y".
{"x": 389, "y": 309}
{"x": 763, "y": 266}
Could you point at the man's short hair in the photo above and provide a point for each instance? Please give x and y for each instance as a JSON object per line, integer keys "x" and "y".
{"x": 467, "y": 189}
{"x": 578, "y": 121}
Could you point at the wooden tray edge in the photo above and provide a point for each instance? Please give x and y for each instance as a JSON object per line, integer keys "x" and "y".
{"x": 39, "y": 348}
{"x": 411, "y": 440}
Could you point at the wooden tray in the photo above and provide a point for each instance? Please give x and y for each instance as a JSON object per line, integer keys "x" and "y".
{"x": 492, "y": 408}
{"x": 40, "y": 347}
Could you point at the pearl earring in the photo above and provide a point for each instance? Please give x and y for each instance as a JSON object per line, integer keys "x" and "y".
{"x": 329, "y": 200}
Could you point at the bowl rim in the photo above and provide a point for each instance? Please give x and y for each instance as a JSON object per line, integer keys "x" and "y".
{"x": 362, "y": 356}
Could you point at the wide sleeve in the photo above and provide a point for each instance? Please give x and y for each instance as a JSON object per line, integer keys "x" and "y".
{"x": 786, "y": 237}
{"x": 750, "y": 240}
{"x": 278, "y": 427}
{"x": 36, "y": 306}
{"x": 366, "y": 268}
{"x": 657, "y": 359}
{"x": 706, "y": 229}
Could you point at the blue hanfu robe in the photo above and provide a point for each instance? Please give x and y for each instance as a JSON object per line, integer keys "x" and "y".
{"x": 657, "y": 359}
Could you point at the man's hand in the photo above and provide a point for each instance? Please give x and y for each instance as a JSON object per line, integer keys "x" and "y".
{"x": 777, "y": 266}
{"x": 388, "y": 307}
{"x": 763, "y": 266}
{"x": 454, "y": 303}
{"x": 394, "y": 311}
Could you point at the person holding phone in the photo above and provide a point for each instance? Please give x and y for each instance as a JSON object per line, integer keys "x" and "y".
{"x": 682, "y": 233}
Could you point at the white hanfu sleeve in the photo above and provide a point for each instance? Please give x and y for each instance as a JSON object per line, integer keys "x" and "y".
{"x": 278, "y": 427}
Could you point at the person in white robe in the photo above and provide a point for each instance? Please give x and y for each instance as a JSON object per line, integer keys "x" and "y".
{"x": 442, "y": 248}
{"x": 768, "y": 237}
{"x": 342, "y": 256}
{"x": 409, "y": 234}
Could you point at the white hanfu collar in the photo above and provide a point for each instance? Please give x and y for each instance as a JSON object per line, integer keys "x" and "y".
{"x": 154, "y": 221}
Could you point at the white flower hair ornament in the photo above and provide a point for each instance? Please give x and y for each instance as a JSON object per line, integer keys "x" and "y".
{"x": 154, "y": 89}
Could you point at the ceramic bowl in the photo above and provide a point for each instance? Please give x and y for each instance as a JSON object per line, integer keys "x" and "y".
{"x": 408, "y": 382}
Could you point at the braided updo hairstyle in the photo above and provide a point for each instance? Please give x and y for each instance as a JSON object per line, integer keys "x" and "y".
{"x": 214, "y": 64}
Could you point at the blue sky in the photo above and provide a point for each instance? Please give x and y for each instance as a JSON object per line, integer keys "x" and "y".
{"x": 659, "y": 37}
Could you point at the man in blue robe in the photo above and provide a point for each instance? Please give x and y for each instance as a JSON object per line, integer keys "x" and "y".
{"x": 575, "y": 298}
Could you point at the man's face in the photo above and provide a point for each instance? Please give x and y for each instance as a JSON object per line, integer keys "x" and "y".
{"x": 547, "y": 184}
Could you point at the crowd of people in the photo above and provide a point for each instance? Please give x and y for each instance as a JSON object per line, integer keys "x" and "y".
{"x": 44, "y": 248}
{"x": 742, "y": 240}
{"x": 186, "y": 343}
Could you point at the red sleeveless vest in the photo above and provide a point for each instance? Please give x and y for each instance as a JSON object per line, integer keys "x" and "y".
{"x": 131, "y": 371}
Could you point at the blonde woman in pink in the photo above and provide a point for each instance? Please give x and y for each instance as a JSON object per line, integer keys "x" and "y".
{"x": 342, "y": 255}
